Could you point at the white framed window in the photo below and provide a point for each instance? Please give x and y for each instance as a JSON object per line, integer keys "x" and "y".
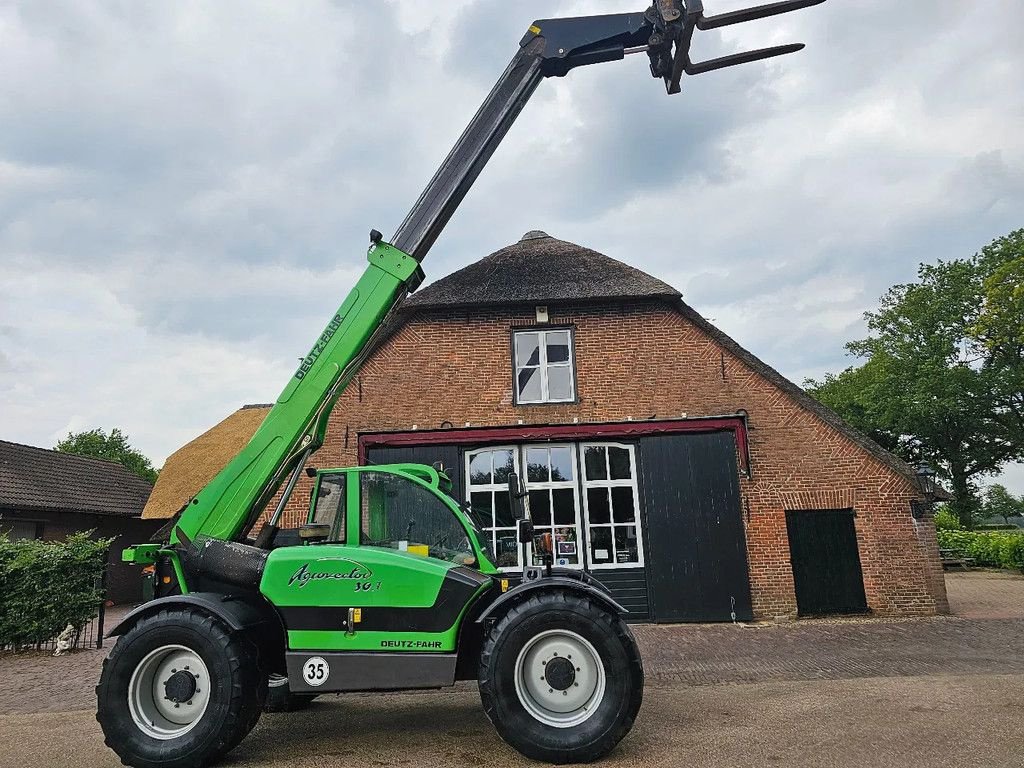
{"x": 544, "y": 371}
{"x": 611, "y": 505}
{"x": 554, "y": 501}
{"x": 487, "y": 473}
{"x": 551, "y": 482}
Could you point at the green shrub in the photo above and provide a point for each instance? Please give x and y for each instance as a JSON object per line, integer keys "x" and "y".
{"x": 996, "y": 549}
{"x": 46, "y": 585}
{"x": 946, "y": 520}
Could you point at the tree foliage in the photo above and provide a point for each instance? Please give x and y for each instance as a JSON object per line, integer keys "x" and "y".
{"x": 999, "y": 502}
{"x": 113, "y": 447}
{"x": 943, "y": 377}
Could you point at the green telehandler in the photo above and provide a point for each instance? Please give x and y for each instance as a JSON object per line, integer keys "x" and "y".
{"x": 390, "y": 584}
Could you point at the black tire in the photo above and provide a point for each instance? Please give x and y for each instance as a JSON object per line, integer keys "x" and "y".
{"x": 237, "y": 691}
{"x": 281, "y": 699}
{"x": 608, "y": 635}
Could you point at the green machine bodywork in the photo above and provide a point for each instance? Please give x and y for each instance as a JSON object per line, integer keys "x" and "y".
{"x": 385, "y": 587}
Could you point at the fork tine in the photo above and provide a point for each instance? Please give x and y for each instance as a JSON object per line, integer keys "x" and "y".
{"x": 750, "y": 14}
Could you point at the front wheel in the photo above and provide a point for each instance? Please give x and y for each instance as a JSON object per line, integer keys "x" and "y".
{"x": 561, "y": 678}
{"x": 178, "y": 690}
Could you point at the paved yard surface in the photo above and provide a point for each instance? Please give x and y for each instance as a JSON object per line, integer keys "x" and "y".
{"x": 942, "y": 691}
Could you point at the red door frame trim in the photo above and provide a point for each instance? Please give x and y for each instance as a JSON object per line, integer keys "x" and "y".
{"x": 523, "y": 434}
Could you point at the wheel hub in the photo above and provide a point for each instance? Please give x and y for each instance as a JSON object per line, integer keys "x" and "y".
{"x": 560, "y": 678}
{"x": 180, "y": 687}
{"x": 169, "y": 691}
{"x": 560, "y": 673}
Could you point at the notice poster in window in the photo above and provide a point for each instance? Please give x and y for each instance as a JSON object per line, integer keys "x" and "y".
{"x": 566, "y": 548}
{"x": 601, "y": 555}
{"x": 624, "y": 557}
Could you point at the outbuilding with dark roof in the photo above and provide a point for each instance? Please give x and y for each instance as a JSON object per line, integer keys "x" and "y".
{"x": 46, "y": 494}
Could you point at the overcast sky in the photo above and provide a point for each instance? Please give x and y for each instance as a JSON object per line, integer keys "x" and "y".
{"x": 186, "y": 187}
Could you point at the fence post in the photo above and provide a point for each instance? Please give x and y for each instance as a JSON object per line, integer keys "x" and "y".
{"x": 103, "y": 600}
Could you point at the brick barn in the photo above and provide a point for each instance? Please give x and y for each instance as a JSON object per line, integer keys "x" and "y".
{"x": 690, "y": 477}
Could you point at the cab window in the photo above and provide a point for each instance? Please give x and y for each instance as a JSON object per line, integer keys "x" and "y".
{"x": 330, "y": 505}
{"x": 399, "y": 514}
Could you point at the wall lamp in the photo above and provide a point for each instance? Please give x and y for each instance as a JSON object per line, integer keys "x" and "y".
{"x": 926, "y": 482}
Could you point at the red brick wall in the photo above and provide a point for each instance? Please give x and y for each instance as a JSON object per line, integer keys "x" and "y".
{"x": 641, "y": 360}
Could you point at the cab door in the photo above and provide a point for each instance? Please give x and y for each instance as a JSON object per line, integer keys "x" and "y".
{"x": 396, "y": 574}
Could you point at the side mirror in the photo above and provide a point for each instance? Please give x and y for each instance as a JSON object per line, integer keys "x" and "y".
{"x": 516, "y": 494}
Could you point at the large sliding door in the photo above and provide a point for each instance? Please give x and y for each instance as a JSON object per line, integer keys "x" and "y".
{"x": 698, "y": 555}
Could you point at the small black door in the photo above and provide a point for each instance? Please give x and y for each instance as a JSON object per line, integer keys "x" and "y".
{"x": 697, "y": 564}
{"x": 826, "y": 563}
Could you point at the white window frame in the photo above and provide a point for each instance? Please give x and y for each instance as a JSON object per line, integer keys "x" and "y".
{"x": 543, "y": 365}
{"x": 550, "y": 485}
{"x": 492, "y": 487}
{"x": 608, "y": 483}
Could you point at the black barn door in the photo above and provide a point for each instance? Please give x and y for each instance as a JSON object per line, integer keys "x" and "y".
{"x": 826, "y": 565}
{"x": 697, "y": 563}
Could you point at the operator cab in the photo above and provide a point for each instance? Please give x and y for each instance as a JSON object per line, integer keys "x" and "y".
{"x": 404, "y": 507}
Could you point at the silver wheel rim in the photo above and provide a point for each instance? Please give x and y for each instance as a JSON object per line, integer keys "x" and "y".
{"x": 560, "y": 679}
{"x": 152, "y": 705}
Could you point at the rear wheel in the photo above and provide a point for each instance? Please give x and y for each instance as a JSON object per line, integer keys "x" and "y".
{"x": 178, "y": 690}
{"x": 561, "y": 678}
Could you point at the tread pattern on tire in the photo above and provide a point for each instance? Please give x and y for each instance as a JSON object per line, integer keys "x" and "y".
{"x": 245, "y": 700}
{"x": 559, "y": 601}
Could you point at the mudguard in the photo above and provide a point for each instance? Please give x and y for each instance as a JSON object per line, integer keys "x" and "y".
{"x": 587, "y": 587}
{"x": 237, "y": 611}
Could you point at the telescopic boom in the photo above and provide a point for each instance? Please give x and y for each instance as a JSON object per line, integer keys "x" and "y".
{"x": 231, "y": 503}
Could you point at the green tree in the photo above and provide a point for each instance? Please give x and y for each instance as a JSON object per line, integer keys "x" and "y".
{"x": 999, "y": 502}
{"x": 113, "y": 447}
{"x": 941, "y": 381}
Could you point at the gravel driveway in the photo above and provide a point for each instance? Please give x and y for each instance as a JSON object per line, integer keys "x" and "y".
{"x": 941, "y": 691}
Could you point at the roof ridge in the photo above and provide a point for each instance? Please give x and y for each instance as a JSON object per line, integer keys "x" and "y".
{"x": 65, "y": 453}
{"x": 540, "y": 269}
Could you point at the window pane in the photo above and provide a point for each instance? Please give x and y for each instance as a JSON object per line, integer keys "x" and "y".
{"x": 540, "y": 507}
{"x": 597, "y": 505}
{"x": 560, "y": 383}
{"x": 397, "y": 513}
{"x": 558, "y": 346}
{"x": 537, "y": 465}
{"x": 561, "y": 464}
{"x": 623, "y": 509}
{"x": 503, "y": 510}
{"x": 527, "y": 349}
{"x": 593, "y": 459}
{"x": 503, "y": 466}
{"x": 481, "y": 504}
{"x": 480, "y": 468}
{"x": 618, "y": 459}
{"x": 529, "y": 384}
{"x": 564, "y": 506}
{"x": 330, "y": 505}
{"x": 601, "y": 545}
{"x": 506, "y": 548}
{"x": 566, "y": 548}
{"x": 625, "y": 544}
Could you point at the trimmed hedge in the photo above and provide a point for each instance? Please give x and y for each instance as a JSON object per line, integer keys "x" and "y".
{"x": 46, "y": 585}
{"x": 998, "y": 549}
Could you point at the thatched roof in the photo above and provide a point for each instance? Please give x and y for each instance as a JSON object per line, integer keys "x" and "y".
{"x": 40, "y": 479}
{"x": 539, "y": 269}
{"x": 191, "y": 467}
